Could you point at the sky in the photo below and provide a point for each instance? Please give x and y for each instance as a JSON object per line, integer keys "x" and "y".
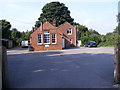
{"x": 99, "y": 15}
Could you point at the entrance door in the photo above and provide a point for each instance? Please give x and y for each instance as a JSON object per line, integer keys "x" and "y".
{"x": 63, "y": 43}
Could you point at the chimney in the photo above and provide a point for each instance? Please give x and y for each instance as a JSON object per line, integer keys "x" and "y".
{"x": 54, "y": 23}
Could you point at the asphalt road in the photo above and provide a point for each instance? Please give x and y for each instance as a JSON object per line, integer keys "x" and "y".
{"x": 68, "y": 68}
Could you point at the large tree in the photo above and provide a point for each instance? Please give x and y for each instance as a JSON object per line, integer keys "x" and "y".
{"x": 57, "y": 11}
{"x": 117, "y": 30}
{"x": 5, "y": 28}
{"x": 15, "y": 34}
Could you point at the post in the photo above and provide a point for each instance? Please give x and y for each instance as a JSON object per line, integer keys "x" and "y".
{"x": 3, "y": 68}
{"x": 0, "y": 68}
{"x": 117, "y": 64}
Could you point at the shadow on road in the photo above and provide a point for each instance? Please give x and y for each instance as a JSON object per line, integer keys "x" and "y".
{"x": 57, "y": 70}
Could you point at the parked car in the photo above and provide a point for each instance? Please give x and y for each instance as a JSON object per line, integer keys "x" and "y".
{"x": 90, "y": 44}
{"x": 24, "y": 44}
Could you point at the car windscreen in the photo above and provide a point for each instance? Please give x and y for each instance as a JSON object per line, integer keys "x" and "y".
{"x": 92, "y": 42}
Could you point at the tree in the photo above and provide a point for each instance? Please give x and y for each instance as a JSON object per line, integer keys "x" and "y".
{"x": 23, "y": 36}
{"x": 82, "y": 28}
{"x": 15, "y": 34}
{"x": 27, "y": 35}
{"x": 95, "y": 37}
{"x": 84, "y": 39}
{"x": 5, "y": 26}
{"x": 82, "y": 31}
{"x": 103, "y": 38}
{"x": 111, "y": 38}
{"x": 91, "y": 31}
{"x": 57, "y": 11}
{"x": 117, "y": 30}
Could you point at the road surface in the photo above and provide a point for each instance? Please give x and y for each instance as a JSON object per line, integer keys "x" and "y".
{"x": 68, "y": 68}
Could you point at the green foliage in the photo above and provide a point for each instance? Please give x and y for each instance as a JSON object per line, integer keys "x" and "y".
{"x": 25, "y": 35}
{"x": 103, "y": 38}
{"x": 117, "y": 30}
{"x": 15, "y": 34}
{"x": 82, "y": 28}
{"x": 111, "y": 38}
{"x": 5, "y": 27}
{"x": 88, "y": 35}
{"x": 75, "y": 24}
{"x": 84, "y": 39}
{"x": 105, "y": 44}
{"x": 95, "y": 37}
{"x": 57, "y": 11}
{"x": 91, "y": 31}
{"x": 81, "y": 45}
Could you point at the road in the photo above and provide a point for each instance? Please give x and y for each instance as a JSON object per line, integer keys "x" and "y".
{"x": 68, "y": 68}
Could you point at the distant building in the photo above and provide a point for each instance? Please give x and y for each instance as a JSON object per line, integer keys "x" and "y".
{"x": 6, "y": 43}
{"x": 50, "y": 37}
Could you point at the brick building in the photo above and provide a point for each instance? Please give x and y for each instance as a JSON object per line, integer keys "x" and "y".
{"x": 50, "y": 37}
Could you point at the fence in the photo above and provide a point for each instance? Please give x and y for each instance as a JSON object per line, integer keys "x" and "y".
{"x": 117, "y": 64}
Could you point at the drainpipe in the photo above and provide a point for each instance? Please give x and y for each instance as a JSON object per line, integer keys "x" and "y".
{"x": 75, "y": 35}
{"x": 41, "y": 29}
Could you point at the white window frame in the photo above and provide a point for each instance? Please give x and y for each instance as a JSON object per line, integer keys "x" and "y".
{"x": 38, "y": 39}
{"x": 54, "y": 38}
{"x": 70, "y": 30}
{"x": 47, "y": 33}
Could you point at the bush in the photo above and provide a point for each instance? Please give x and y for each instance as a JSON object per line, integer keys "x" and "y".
{"x": 82, "y": 45}
{"x": 105, "y": 44}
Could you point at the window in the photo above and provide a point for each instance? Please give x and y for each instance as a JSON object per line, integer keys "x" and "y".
{"x": 53, "y": 38}
{"x": 39, "y": 38}
{"x": 69, "y": 31}
{"x": 46, "y": 37}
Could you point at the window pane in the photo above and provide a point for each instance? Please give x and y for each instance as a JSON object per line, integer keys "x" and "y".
{"x": 53, "y": 38}
{"x": 69, "y": 31}
{"x": 46, "y": 38}
{"x": 39, "y": 38}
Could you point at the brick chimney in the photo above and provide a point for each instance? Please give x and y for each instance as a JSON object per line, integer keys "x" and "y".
{"x": 54, "y": 23}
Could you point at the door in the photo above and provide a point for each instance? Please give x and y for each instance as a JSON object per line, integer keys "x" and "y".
{"x": 63, "y": 43}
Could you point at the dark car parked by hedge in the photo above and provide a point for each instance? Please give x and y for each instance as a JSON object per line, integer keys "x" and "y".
{"x": 90, "y": 44}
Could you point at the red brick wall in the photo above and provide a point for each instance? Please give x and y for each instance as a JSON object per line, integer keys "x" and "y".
{"x": 60, "y": 32}
{"x": 52, "y": 29}
{"x": 73, "y": 36}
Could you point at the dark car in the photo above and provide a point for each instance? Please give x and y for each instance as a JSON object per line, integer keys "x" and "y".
{"x": 90, "y": 44}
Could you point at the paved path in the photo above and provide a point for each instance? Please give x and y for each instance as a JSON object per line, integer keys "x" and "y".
{"x": 68, "y": 68}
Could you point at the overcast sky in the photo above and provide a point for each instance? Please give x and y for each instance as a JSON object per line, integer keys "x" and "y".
{"x": 96, "y": 14}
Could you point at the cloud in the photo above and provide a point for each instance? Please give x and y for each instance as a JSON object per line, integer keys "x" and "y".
{"x": 87, "y": 22}
{"x": 14, "y": 6}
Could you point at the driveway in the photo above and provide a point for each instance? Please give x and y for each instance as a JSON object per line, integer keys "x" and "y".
{"x": 68, "y": 68}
